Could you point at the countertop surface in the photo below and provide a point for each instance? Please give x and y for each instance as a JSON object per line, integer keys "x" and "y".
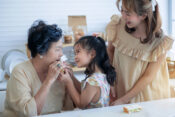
{"x": 158, "y": 108}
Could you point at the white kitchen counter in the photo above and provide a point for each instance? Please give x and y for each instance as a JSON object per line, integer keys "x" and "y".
{"x": 3, "y": 85}
{"x": 158, "y": 108}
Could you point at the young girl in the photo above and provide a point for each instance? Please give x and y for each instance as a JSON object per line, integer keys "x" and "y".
{"x": 137, "y": 48}
{"x": 91, "y": 52}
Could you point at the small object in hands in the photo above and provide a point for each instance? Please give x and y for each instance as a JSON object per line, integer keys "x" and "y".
{"x": 132, "y": 108}
{"x": 62, "y": 71}
{"x": 60, "y": 66}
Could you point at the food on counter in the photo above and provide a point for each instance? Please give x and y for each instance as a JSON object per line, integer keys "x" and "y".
{"x": 132, "y": 108}
{"x": 68, "y": 38}
{"x": 171, "y": 66}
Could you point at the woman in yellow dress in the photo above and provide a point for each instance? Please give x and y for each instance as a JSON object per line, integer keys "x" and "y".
{"x": 137, "y": 48}
{"x": 33, "y": 88}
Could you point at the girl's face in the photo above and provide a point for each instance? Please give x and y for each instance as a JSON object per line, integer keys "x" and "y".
{"x": 54, "y": 53}
{"x": 82, "y": 56}
{"x": 131, "y": 18}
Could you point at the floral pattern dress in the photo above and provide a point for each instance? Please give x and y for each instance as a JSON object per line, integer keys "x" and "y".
{"x": 98, "y": 79}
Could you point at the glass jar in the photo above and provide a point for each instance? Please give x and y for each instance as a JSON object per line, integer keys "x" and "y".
{"x": 79, "y": 31}
{"x": 171, "y": 63}
{"x": 68, "y": 36}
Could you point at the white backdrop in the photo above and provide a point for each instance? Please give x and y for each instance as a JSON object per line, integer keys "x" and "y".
{"x": 16, "y": 16}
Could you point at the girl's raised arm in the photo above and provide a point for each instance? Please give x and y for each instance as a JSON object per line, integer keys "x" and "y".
{"x": 82, "y": 99}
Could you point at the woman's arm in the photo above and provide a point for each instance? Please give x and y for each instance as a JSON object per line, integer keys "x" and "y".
{"x": 143, "y": 81}
{"x": 41, "y": 95}
{"x": 19, "y": 97}
{"x": 19, "y": 90}
{"x": 110, "y": 50}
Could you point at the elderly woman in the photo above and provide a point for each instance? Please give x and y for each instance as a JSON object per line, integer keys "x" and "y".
{"x": 33, "y": 88}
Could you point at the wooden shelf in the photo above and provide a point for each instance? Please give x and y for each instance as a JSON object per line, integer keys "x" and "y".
{"x": 76, "y": 69}
{"x": 68, "y": 45}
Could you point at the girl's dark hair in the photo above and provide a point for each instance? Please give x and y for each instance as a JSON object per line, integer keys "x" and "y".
{"x": 153, "y": 19}
{"x": 101, "y": 58}
{"x": 41, "y": 36}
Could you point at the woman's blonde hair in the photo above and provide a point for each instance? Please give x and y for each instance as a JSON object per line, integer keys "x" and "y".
{"x": 153, "y": 19}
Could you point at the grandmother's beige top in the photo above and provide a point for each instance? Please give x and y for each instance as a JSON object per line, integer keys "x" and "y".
{"x": 131, "y": 59}
{"x": 23, "y": 86}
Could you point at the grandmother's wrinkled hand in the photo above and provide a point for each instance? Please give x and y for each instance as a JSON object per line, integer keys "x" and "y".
{"x": 53, "y": 72}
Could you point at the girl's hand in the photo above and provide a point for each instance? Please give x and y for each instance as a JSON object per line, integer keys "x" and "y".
{"x": 67, "y": 66}
{"x": 53, "y": 72}
{"x": 69, "y": 69}
{"x": 71, "y": 73}
{"x": 65, "y": 77}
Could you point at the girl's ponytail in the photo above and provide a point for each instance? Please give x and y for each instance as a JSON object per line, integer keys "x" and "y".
{"x": 105, "y": 65}
{"x": 109, "y": 71}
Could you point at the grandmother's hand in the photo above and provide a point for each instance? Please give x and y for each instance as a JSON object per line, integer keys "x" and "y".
{"x": 53, "y": 72}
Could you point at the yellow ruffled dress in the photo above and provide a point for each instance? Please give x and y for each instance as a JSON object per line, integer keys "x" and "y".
{"x": 131, "y": 59}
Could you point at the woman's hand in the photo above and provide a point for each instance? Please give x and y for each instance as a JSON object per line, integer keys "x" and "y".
{"x": 118, "y": 102}
{"x": 112, "y": 95}
{"x": 53, "y": 72}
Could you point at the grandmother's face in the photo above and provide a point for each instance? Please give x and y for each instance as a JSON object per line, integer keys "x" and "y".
{"x": 54, "y": 53}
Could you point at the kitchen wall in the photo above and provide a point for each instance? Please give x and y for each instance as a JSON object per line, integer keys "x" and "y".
{"x": 16, "y": 16}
